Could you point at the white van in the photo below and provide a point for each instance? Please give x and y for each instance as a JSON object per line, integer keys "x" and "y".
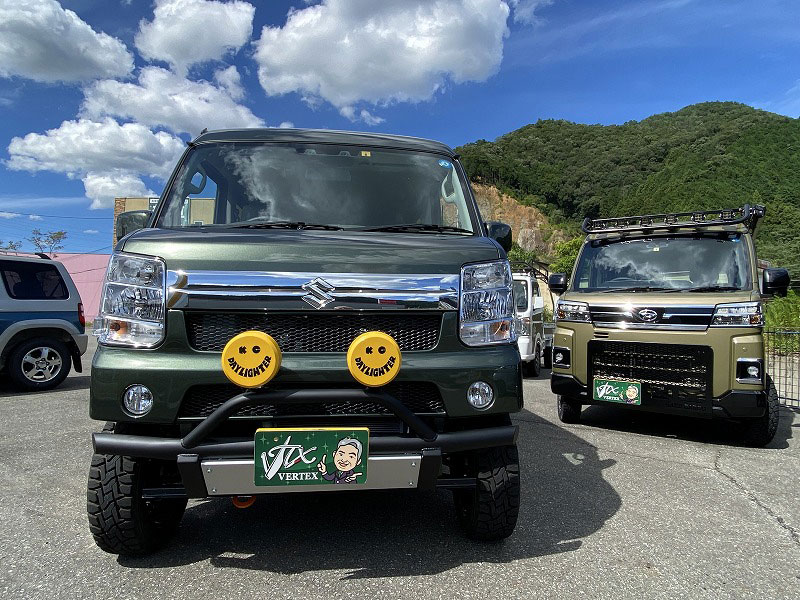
{"x": 530, "y": 323}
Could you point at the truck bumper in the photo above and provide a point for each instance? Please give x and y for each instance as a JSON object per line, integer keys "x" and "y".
{"x": 210, "y": 466}
{"x": 734, "y": 404}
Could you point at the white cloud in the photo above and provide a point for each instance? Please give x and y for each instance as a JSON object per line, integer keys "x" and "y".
{"x": 350, "y": 112}
{"x": 525, "y": 10}
{"x": 163, "y": 99}
{"x": 8, "y": 215}
{"x": 286, "y": 125}
{"x": 102, "y": 188}
{"x": 108, "y": 157}
{"x": 187, "y": 32}
{"x": 91, "y": 231}
{"x": 350, "y": 51}
{"x": 230, "y": 80}
{"x": 42, "y": 41}
{"x": 35, "y": 217}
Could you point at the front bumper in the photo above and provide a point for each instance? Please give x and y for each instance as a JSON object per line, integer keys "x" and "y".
{"x": 224, "y": 466}
{"x": 734, "y": 404}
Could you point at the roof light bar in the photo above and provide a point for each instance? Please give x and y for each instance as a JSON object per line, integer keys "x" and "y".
{"x": 749, "y": 215}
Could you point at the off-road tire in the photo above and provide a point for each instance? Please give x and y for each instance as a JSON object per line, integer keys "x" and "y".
{"x": 760, "y": 431}
{"x": 120, "y": 520}
{"x": 489, "y": 512}
{"x": 14, "y": 364}
{"x": 569, "y": 410}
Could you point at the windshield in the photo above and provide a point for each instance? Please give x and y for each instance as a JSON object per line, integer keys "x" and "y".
{"x": 702, "y": 263}
{"x": 521, "y": 294}
{"x": 249, "y": 184}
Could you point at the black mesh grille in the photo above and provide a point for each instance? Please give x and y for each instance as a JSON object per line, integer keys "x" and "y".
{"x": 314, "y": 332}
{"x": 419, "y": 396}
{"x": 678, "y": 376}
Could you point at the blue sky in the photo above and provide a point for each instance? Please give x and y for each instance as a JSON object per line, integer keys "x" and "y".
{"x": 97, "y": 97}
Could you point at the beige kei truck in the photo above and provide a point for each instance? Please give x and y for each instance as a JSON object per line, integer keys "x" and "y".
{"x": 664, "y": 313}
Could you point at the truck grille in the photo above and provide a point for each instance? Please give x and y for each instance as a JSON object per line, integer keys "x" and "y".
{"x": 420, "y": 396}
{"x": 695, "y": 317}
{"x": 677, "y": 376}
{"x": 312, "y": 332}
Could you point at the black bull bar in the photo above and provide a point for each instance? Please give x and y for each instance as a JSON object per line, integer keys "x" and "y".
{"x": 199, "y": 443}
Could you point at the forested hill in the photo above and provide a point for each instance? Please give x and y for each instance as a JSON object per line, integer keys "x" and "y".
{"x": 709, "y": 155}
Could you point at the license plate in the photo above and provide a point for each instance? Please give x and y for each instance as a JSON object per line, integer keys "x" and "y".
{"x": 311, "y": 456}
{"x": 616, "y": 390}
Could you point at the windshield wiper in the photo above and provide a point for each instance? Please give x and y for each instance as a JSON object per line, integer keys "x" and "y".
{"x": 285, "y": 225}
{"x": 641, "y": 288}
{"x": 419, "y": 227}
{"x": 707, "y": 288}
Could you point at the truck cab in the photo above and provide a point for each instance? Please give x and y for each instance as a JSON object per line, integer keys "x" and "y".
{"x": 305, "y": 311}
{"x": 664, "y": 313}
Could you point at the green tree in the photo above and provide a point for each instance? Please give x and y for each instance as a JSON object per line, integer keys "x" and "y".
{"x": 565, "y": 254}
{"x": 49, "y": 242}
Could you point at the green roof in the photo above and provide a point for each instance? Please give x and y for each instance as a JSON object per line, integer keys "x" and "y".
{"x": 322, "y": 136}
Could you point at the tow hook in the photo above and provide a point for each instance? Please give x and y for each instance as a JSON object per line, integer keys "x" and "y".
{"x": 243, "y": 501}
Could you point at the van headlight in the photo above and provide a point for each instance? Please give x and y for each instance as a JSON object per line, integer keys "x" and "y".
{"x": 567, "y": 310}
{"x": 132, "y": 306}
{"x": 487, "y": 305}
{"x": 738, "y": 314}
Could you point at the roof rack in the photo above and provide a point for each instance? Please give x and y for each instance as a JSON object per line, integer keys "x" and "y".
{"x": 538, "y": 270}
{"x": 749, "y": 215}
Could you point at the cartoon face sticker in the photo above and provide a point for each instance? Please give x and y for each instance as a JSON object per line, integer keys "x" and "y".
{"x": 632, "y": 393}
{"x": 251, "y": 359}
{"x": 374, "y": 358}
{"x": 345, "y": 459}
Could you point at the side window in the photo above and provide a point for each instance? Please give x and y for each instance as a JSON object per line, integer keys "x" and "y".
{"x": 32, "y": 281}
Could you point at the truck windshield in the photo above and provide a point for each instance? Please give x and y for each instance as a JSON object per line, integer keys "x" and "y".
{"x": 316, "y": 185}
{"x": 698, "y": 264}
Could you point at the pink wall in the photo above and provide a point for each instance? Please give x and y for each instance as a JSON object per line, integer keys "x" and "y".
{"x": 87, "y": 271}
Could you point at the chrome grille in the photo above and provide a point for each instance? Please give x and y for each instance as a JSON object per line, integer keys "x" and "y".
{"x": 313, "y": 332}
{"x": 671, "y": 317}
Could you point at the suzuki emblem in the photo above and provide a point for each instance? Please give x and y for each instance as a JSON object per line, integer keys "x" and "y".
{"x": 647, "y": 315}
{"x": 318, "y": 295}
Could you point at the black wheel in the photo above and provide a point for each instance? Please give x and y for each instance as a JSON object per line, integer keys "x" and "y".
{"x": 121, "y": 521}
{"x": 547, "y": 356}
{"x": 536, "y": 363}
{"x": 569, "y": 410}
{"x": 489, "y": 512}
{"x": 39, "y": 364}
{"x": 760, "y": 431}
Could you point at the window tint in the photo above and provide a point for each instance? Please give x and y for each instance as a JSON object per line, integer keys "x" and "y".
{"x": 521, "y": 295}
{"x": 32, "y": 281}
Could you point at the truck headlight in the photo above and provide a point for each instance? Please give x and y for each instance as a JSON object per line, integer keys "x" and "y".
{"x": 132, "y": 307}
{"x": 487, "y": 305}
{"x": 567, "y": 310}
{"x": 738, "y": 314}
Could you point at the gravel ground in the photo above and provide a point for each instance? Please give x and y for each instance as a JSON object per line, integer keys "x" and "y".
{"x": 621, "y": 506}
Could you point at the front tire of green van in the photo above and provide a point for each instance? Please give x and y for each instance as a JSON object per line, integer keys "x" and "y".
{"x": 120, "y": 519}
{"x": 489, "y": 512}
{"x": 760, "y": 431}
{"x": 569, "y": 410}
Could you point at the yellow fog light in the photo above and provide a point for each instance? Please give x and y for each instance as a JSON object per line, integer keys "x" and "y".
{"x": 374, "y": 358}
{"x": 251, "y": 359}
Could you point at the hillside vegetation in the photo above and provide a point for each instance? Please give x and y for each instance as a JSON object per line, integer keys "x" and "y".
{"x": 710, "y": 155}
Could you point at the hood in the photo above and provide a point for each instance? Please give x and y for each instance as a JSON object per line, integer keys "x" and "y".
{"x": 311, "y": 250}
{"x": 661, "y": 298}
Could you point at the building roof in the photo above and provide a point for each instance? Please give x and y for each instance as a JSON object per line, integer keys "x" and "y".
{"x": 317, "y": 136}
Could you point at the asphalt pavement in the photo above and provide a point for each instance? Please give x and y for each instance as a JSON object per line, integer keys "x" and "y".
{"x": 621, "y": 506}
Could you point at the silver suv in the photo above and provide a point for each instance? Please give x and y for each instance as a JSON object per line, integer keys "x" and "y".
{"x": 42, "y": 326}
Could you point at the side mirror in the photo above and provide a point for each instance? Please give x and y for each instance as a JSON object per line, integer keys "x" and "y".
{"x": 131, "y": 221}
{"x": 501, "y": 233}
{"x": 557, "y": 282}
{"x": 775, "y": 282}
